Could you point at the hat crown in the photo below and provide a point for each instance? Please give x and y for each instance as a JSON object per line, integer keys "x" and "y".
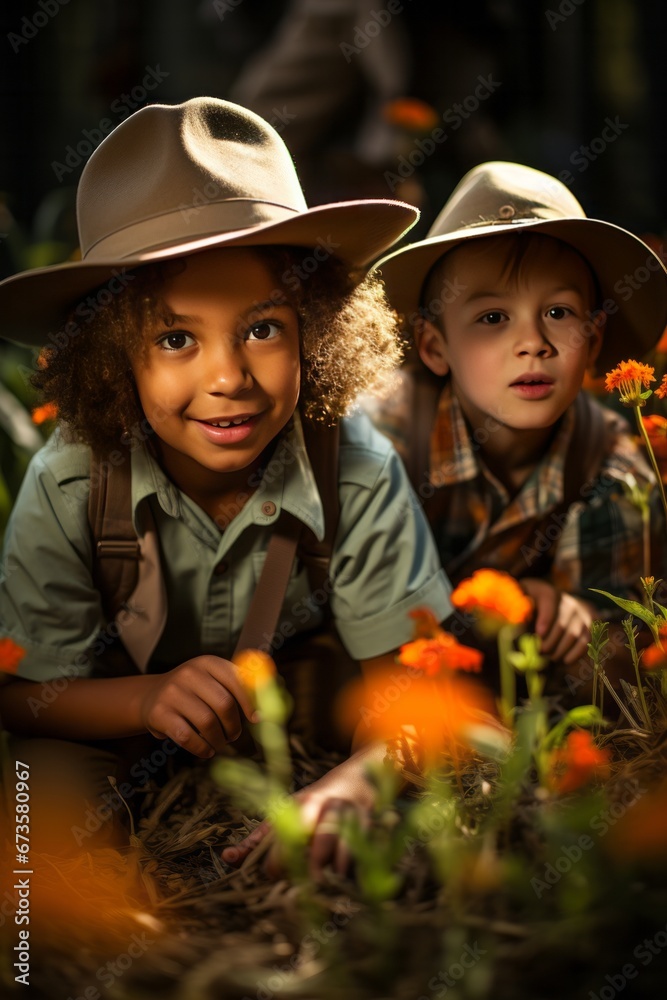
{"x": 504, "y": 193}
{"x": 147, "y": 182}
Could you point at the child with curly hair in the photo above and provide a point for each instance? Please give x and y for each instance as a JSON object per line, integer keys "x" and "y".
{"x": 212, "y": 320}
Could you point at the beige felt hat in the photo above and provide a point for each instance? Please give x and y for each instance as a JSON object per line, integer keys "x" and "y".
{"x": 500, "y": 197}
{"x": 174, "y": 179}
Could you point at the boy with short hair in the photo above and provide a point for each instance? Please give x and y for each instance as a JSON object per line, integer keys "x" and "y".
{"x": 513, "y": 295}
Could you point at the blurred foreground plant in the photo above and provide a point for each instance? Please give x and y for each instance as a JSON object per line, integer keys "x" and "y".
{"x": 265, "y": 790}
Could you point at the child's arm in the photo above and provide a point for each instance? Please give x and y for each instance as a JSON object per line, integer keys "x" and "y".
{"x": 562, "y": 621}
{"x": 342, "y": 790}
{"x": 196, "y": 705}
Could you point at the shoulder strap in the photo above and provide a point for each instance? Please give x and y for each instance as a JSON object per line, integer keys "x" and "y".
{"x": 425, "y": 392}
{"x": 115, "y": 543}
{"x": 262, "y": 615}
{"x": 116, "y": 547}
{"x": 589, "y": 444}
{"x": 322, "y": 446}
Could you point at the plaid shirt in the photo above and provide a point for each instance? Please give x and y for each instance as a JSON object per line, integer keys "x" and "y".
{"x": 597, "y": 541}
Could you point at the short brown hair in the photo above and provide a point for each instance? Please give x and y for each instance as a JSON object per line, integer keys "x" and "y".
{"x": 516, "y": 247}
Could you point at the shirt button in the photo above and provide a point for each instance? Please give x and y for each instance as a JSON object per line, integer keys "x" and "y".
{"x": 269, "y": 508}
{"x": 221, "y": 568}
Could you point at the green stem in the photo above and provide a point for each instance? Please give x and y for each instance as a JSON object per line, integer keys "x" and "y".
{"x": 646, "y": 539}
{"x": 649, "y": 448}
{"x": 632, "y": 646}
{"x": 596, "y": 668}
{"x": 507, "y": 675}
{"x": 634, "y": 723}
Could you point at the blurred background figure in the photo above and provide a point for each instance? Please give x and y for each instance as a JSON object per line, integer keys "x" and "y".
{"x": 374, "y": 97}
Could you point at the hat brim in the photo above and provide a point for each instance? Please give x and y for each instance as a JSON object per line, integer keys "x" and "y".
{"x": 632, "y": 278}
{"x": 37, "y": 302}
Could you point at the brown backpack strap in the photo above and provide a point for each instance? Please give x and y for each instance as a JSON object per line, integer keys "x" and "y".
{"x": 425, "y": 392}
{"x": 322, "y": 446}
{"x": 591, "y": 437}
{"x": 262, "y": 615}
{"x": 115, "y": 545}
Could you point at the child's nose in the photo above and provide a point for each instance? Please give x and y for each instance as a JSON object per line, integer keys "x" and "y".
{"x": 533, "y": 341}
{"x": 227, "y": 373}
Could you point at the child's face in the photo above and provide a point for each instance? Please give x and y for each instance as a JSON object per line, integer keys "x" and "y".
{"x": 516, "y": 341}
{"x": 222, "y": 380}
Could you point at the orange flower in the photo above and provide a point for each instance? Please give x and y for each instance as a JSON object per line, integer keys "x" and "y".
{"x": 441, "y": 653}
{"x": 661, "y": 391}
{"x": 656, "y": 428}
{"x": 577, "y": 762}
{"x": 43, "y": 413}
{"x": 438, "y": 711}
{"x": 495, "y": 597}
{"x": 661, "y": 347}
{"x": 426, "y": 624}
{"x": 254, "y": 668}
{"x": 655, "y": 656}
{"x": 640, "y": 833}
{"x": 630, "y": 378}
{"x": 11, "y": 655}
{"x": 411, "y": 114}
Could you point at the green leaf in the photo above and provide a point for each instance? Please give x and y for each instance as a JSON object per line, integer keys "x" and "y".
{"x": 287, "y": 821}
{"x": 379, "y": 885}
{"x": 583, "y": 717}
{"x": 16, "y": 421}
{"x": 634, "y": 607}
{"x": 528, "y": 656}
{"x": 488, "y": 740}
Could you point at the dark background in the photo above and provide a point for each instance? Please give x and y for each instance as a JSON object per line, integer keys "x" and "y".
{"x": 561, "y": 70}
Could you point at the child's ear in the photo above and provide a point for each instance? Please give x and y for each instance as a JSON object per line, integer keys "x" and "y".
{"x": 431, "y": 346}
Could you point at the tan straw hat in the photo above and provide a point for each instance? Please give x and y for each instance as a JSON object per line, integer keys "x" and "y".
{"x": 174, "y": 179}
{"x": 499, "y": 197}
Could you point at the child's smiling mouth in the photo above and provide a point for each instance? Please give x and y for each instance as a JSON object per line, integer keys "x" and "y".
{"x": 228, "y": 430}
{"x": 229, "y": 422}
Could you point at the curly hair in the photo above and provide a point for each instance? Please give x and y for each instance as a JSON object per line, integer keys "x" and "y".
{"x": 350, "y": 343}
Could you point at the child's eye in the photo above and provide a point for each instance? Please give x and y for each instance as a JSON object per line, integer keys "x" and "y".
{"x": 493, "y": 318}
{"x": 175, "y": 341}
{"x": 263, "y": 331}
{"x": 558, "y": 312}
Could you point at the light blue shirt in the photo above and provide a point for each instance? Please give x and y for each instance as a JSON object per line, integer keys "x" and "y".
{"x": 383, "y": 566}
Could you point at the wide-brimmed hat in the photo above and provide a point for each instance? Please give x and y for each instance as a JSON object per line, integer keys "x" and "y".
{"x": 499, "y": 197}
{"x": 175, "y": 179}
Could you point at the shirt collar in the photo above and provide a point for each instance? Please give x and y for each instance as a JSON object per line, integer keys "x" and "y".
{"x": 288, "y": 483}
{"x": 454, "y": 454}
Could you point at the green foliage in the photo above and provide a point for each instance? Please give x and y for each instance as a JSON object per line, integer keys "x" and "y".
{"x": 19, "y": 437}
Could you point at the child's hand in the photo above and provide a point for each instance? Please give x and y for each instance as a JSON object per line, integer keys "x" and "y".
{"x": 324, "y": 804}
{"x": 562, "y": 621}
{"x": 197, "y": 705}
